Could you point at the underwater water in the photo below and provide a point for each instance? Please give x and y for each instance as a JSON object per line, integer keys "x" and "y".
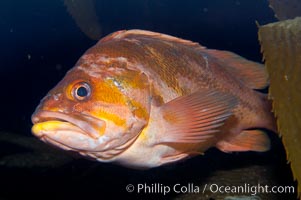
{"x": 41, "y": 41}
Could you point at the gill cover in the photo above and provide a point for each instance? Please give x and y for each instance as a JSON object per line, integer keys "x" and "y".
{"x": 122, "y": 100}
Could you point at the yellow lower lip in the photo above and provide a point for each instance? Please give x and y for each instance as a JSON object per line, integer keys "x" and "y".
{"x": 48, "y": 126}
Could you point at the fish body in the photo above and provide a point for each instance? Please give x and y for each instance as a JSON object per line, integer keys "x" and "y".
{"x": 144, "y": 99}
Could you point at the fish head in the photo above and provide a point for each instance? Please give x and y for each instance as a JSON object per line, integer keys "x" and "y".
{"x": 98, "y": 109}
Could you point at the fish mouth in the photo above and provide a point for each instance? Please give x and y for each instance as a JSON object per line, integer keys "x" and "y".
{"x": 77, "y": 132}
{"x": 77, "y": 122}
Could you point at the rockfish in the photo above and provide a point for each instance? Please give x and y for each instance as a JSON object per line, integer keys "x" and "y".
{"x": 143, "y": 99}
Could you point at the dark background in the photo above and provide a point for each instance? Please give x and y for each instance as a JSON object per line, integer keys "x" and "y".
{"x": 45, "y": 31}
{"x": 40, "y": 42}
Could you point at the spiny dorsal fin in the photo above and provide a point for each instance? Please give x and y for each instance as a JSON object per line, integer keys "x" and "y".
{"x": 142, "y": 33}
{"x": 252, "y": 74}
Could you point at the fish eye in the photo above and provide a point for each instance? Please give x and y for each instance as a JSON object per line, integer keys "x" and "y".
{"x": 81, "y": 91}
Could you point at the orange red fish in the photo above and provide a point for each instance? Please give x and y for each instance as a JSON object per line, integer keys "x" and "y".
{"x": 144, "y": 99}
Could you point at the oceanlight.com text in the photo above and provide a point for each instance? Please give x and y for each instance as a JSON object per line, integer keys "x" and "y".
{"x": 250, "y": 189}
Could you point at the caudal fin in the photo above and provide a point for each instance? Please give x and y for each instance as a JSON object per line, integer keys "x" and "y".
{"x": 270, "y": 118}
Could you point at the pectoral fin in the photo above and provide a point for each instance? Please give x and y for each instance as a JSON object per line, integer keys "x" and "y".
{"x": 247, "y": 140}
{"x": 196, "y": 117}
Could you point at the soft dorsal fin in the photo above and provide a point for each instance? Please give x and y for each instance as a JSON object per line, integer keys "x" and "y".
{"x": 197, "y": 117}
{"x": 252, "y": 74}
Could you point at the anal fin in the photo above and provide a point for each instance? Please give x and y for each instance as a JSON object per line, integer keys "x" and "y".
{"x": 247, "y": 140}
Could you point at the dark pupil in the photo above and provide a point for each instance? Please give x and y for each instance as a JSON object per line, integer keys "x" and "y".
{"x": 82, "y": 91}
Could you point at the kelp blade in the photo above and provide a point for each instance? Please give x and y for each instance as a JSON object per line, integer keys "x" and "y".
{"x": 286, "y": 9}
{"x": 281, "y": 46}
{"x": 85, "y": 16}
